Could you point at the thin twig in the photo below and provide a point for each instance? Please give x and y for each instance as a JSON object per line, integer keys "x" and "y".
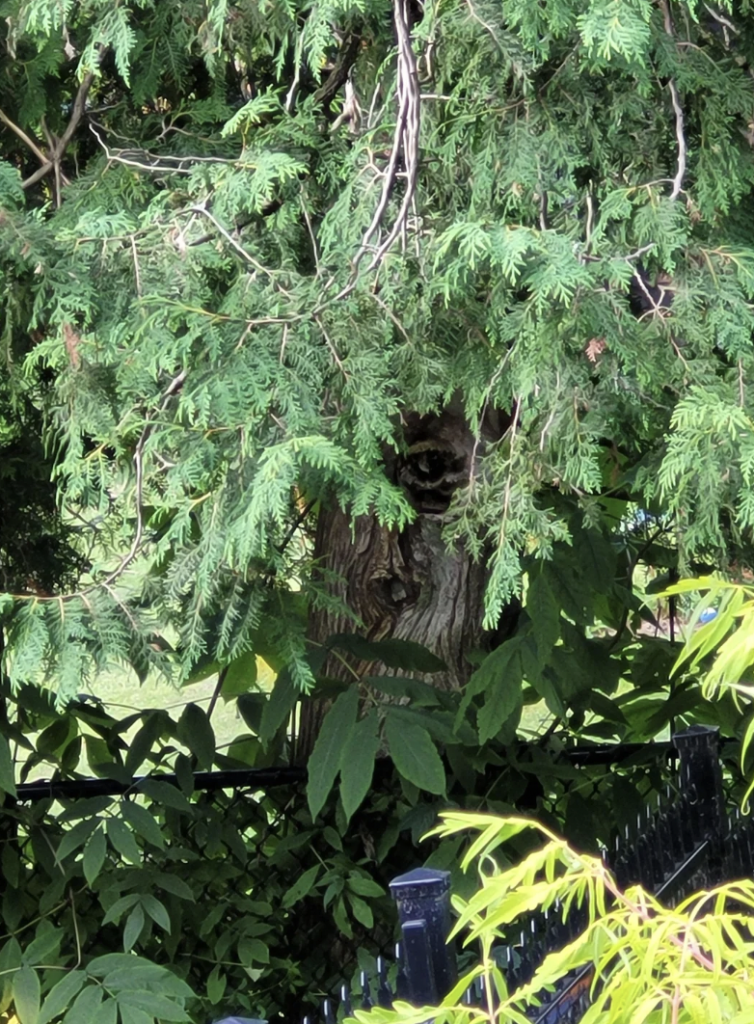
{"x": 217, "y": 690}
{"x": 24, "y": 137}
{"x": 405, "y": 144}
{"x": 138, "y": 459}
{"x": 202, "y": 209}
{"x": 137, "y": 275}
{"x": 678, "y": 110}
{"x": 681, "y": 139}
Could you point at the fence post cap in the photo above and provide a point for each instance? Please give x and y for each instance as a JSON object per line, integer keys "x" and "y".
{"x": 696, "y": 730}
{"x": 240, "y": 1020}
{"x": 434, "y": 879}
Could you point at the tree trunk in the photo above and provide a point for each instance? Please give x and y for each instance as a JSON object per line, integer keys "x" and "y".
{"x": 406, "y": 584}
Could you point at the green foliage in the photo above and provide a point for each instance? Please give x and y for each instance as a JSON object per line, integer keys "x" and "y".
{"x": 723, "y": 648}
{"x": 238, "y": 894}
{"x": 688, "y": 965}
{"x": 208, "y": 355}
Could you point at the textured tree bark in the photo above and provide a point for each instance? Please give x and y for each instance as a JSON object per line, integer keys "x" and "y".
{"x": 405, "y": 584}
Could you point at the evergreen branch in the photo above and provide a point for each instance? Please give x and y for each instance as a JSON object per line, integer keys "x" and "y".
{"x": 202, "y": 209}
{"x": 485, "y": 25}
{"x": 138, "y": 459}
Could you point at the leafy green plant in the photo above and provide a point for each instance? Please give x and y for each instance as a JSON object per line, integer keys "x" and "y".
{"x": 721, "y": 650}
{"x": 686, "y": 965}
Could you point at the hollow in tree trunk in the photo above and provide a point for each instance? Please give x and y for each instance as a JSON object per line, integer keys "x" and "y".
{"x": 406, "y": 584}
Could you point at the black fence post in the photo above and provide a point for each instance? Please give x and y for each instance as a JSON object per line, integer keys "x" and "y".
{"x": 700, "y": 769}
{"x": 701, "y": 778}
{"x": 423, "y": 899}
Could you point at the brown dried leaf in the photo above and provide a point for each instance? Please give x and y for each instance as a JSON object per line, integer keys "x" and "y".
{"x": 594, "y": 349}
{"x": 72, "y": 341}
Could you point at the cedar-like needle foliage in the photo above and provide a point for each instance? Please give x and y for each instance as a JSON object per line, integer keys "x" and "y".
{"x": 241, "y": 239}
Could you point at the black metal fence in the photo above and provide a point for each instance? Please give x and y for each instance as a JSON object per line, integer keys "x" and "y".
{"x": 686, "y": 843}
{"x": 689, "y": 842}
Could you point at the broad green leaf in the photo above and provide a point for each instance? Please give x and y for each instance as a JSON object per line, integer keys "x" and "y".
{"x": 154, "y": 1004}
{"x": 326, "y": 757}
{"x": 240, "y": 675}
{"x": 76, "y": 837}
{"x": 94, "y": 856}
{"x": 60, "y": 995}
{"x": 133, "y": 1015}
{"x": 107, "y": 1012}
{"x": 44, "y": 945}
{"x": 341, "y": 917}
{"x": 544, "y": 613}
{"x": 103, "y": 965}
{"x": 302, "y": 886}
{"x": 414, "y": 754}
{"x": 86, "y": 1006}
{"x": 546, "y": 686}
{"x": 361, "y": 911}
{"x": 364, "y": 886}
{"x": 93, "y": 806}
{"x": 122, "y": 840}
{"x": 253, "y": 950}
{"x": 503, "y": 663}
{"x": 596, "y": 557}
{"x": 357, "y": 762}
{"x": 174, "y": 885}
{"x": 7, "y": 773}
{"x": 401, "y": 654}
{"x": 120, "y": 906}
{"x": 195, "y": 732}
{"x": 26, "y": 995}
{"x": 144, "y": 741}
{"x": 503, "y": 701}
{"x": 216, "y": 984}
{"x": 156, "y": 911}
{"x": 568, "y": 587}
{"x": 421, "y": 694}
{"x": 164, "y": 793}
{"x": 277, "y": 709}
{"x": 142, "y": 822}
{"x": 133, "y": 927}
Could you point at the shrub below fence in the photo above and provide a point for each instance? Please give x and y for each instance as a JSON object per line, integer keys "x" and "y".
{"x": 222, "y": 877}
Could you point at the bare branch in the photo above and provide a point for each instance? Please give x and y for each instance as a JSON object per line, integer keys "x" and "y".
{"x": 678, "y": 111}
{"x": 405, "y": 144}
{"x": 76, "y": 114}
{"x": 175, "y": 385}
{"x": 681, "y": 139}
{"x": 339, "y": 74}
{"x": 52, "y": 161}
{"x": 35, "y": 177}
{"x": 23, "y": 137}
